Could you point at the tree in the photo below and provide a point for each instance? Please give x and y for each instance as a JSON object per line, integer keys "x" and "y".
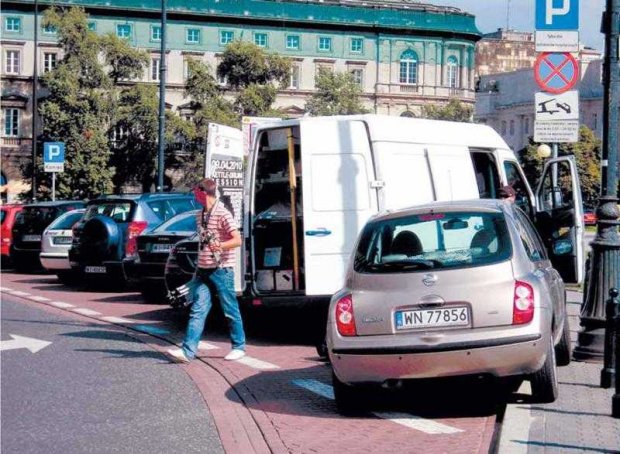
{"x": 455, "y": 110}
{"x": 587, "y": 153}
{"x": 255, "y": 74}
{"x": 81, "y": 100}
{"x": 336, "y": 94}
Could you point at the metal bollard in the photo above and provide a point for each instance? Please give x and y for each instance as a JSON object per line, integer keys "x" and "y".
{"x": 609, "y": 367}
{"x": 615, "y": 400}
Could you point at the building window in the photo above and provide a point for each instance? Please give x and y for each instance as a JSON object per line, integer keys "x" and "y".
{"x": 260, "y": 39}
{"x": 503, "y": 127}
{"x": 155, "y": 32}
{"x": 119, "y": 133}
{"x": 226, "y": 37}
{"x": 512, "y": 127}
{"x": 594, "y": 122}
{"x": 192, "y": 36}
{"x": 295, "y": 77}
{"x": 358, "y": 76}
{"x": 92, "y": 26}
{"x": 49, "y": 61}
{"x": 527, "y": 125}
{"x": 11, "y": 122}
{"x": 325, "y": 44}
{"x": 13, "y": 24}
{"x": 123, "y": 30}
{"x": 453, "y": 72}
{"x": 155, "y": 67}
{"x": 292, "y": 42}
{"x": 409, "y": 67}
{"x": 357, "y": 45}
{"x": 11, "y": 62}
{"x": 49, "y": 30}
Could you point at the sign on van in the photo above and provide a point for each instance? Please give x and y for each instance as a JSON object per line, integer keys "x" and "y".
{"x": 224, "y": 163}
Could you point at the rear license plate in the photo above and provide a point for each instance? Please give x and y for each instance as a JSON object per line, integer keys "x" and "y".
{"x": 95, "y": 269}
{"x": 432, "y": 318}
{"x": 31, "y": 238}
{"x": 62, "y": 240}
{"x": 162, "y": 247}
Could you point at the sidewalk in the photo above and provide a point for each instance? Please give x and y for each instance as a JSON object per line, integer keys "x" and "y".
{"x": 578, "y": 421}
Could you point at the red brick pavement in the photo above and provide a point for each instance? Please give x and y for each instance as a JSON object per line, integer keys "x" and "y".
{"x": 263, "y": 411}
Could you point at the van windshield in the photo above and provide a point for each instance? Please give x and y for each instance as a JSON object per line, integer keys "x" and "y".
{"x": 436, "y": 240}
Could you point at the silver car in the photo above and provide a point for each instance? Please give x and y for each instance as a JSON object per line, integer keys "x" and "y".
{"x": 55, "y": 243}
{"x": 448, "y": 289}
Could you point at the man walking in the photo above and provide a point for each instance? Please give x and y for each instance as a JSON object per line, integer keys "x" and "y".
{"x": 219, "y": 237}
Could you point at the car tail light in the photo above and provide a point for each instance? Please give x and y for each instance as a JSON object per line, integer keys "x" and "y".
{"x": 345, "y": 320}
{"x": 523, "y": 303}
{"x": 134, "y": 229}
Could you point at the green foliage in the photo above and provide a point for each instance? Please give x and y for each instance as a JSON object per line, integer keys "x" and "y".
{"x": 125, "y": 62}
{"x": 455, "y": 110}
{"x": 336, "y": 94}
{"x": 587, "y": 152}
{"x": 256, "y": 100}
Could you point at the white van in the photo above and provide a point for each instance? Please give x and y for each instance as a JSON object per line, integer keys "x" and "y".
{"x": 348, "y": 168}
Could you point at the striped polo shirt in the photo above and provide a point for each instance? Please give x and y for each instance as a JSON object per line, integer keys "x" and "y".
{"x": 221, "y": 225}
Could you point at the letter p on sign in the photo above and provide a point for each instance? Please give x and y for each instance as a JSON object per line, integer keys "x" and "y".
{"x": 557, "y": 14}
{"x": 54, "y": 152}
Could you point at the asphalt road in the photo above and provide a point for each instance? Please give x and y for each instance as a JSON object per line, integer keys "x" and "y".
{"x": 94, "y": 389}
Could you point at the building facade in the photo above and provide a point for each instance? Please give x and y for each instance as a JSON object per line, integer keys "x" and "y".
{"x": 404, "y": 54}
{"x": 504, "y": 51}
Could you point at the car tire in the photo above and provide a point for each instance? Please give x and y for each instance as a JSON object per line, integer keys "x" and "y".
{"x": 563, "y": 349}
{"x": 347, "y": 397}
{"x": 69, "y": 278}
{"x": 545, "y": 382}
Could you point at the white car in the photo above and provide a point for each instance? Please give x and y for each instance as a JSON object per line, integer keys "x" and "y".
{"x": 55, "y": 243}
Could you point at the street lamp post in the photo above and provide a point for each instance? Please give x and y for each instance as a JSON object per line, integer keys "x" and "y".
{"x": 604, "y": 271}
{"x": 35, "y": 106}
{"x": 162, "y": 101}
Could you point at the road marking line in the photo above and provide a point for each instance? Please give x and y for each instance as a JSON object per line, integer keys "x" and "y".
{"x": 404, "y": 419}
{"x": 61, "y": 305}
{"x": 151, "y": 329}
{"x": 5, "y": 289}
{"x": 202, "y": 345}
{"x": 117, "y": 320}
{"x": 18, "y": 293}
{"x": 257, "y": 363}
{"x": 39, "y": 298}
{"x": 83, "y": 311}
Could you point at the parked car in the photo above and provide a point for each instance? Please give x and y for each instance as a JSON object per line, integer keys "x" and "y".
{"x": 181, "y": 262}
{"x": 29, "y": 227}
{"x": 153, "y": 250}
{"x": 55, "y": 244}
{"x": 8, "y": 214}
{"x": 589, "y": 215}
{"x": 448, "y": 289}
{"x": 105, "y": 241}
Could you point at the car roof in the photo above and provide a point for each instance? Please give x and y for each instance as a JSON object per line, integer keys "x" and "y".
{"x": 489, "y": 205}
{"x": 141, "y": 196}
{"x": 56, "y": 203}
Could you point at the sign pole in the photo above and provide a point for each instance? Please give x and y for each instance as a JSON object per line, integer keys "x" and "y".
{"x": 53, "y": 186}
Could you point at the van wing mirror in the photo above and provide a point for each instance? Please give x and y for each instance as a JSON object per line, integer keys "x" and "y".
{"x": 560, "y": 217}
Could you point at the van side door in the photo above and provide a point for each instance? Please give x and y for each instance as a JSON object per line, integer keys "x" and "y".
{"x": 559, "y": 217}
{"x": 337, "y": 198}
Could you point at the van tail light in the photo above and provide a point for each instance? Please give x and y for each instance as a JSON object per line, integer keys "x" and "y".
{"x": 345, "y": 320}
{"x": 523, "y": 303}
{"x": 134, "y": 229}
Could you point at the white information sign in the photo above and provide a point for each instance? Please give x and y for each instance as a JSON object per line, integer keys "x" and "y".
{"x": 563, "y": 106}
{"x": 557, "y": 41}
{"x": 566, "y": 131}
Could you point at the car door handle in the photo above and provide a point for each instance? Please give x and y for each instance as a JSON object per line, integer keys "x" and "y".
{"x": 319, "y": 232}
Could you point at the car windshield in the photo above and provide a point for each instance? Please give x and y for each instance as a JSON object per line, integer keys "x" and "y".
{"x": 436, "y": 240}
{"x": 119, "y": 211}
{"x": 185, "y": 222}
{"x": 66, "y": 221}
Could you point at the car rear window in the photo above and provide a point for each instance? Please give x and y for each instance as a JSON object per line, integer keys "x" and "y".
{"x": 2, "y": 216}
{"x": 185, "y": 222}
{"x": 166, "y": 209}
{"x": 422, "y": 242}
{"x": 66, "y": 222}
{"x": 119, "y": 211}
{"x": 43, "y": 215}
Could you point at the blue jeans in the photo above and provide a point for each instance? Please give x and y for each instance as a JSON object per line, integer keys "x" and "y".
{"x": 222, "y": 281}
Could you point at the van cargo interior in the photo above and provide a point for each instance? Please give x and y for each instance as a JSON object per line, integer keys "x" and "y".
{"x": 277, "y": 263}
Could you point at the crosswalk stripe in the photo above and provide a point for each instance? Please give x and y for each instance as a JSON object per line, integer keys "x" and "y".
{"x": 61, "y": 305}
{"x": 404, "y": 419}
{"x": 39, "y": 298}
{"x": 112, "y": 319}
{"x": 84, "y": 311}
{"x": 202, "y": 345}
{"x": 257, "y": 363}
{"x": 18, "y": 293}
{"x": 5, "y": 289}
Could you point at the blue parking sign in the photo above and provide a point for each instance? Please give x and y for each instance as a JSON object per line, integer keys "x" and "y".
{"x": 557, "y": 14}
{"x": 54, "y": 156}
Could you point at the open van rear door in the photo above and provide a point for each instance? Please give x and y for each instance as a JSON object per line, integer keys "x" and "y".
{"x": 559, "y": 217}
{"x": 337, "y": 196}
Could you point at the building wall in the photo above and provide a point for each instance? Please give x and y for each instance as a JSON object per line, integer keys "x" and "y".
{"x": 378, "y": 59}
